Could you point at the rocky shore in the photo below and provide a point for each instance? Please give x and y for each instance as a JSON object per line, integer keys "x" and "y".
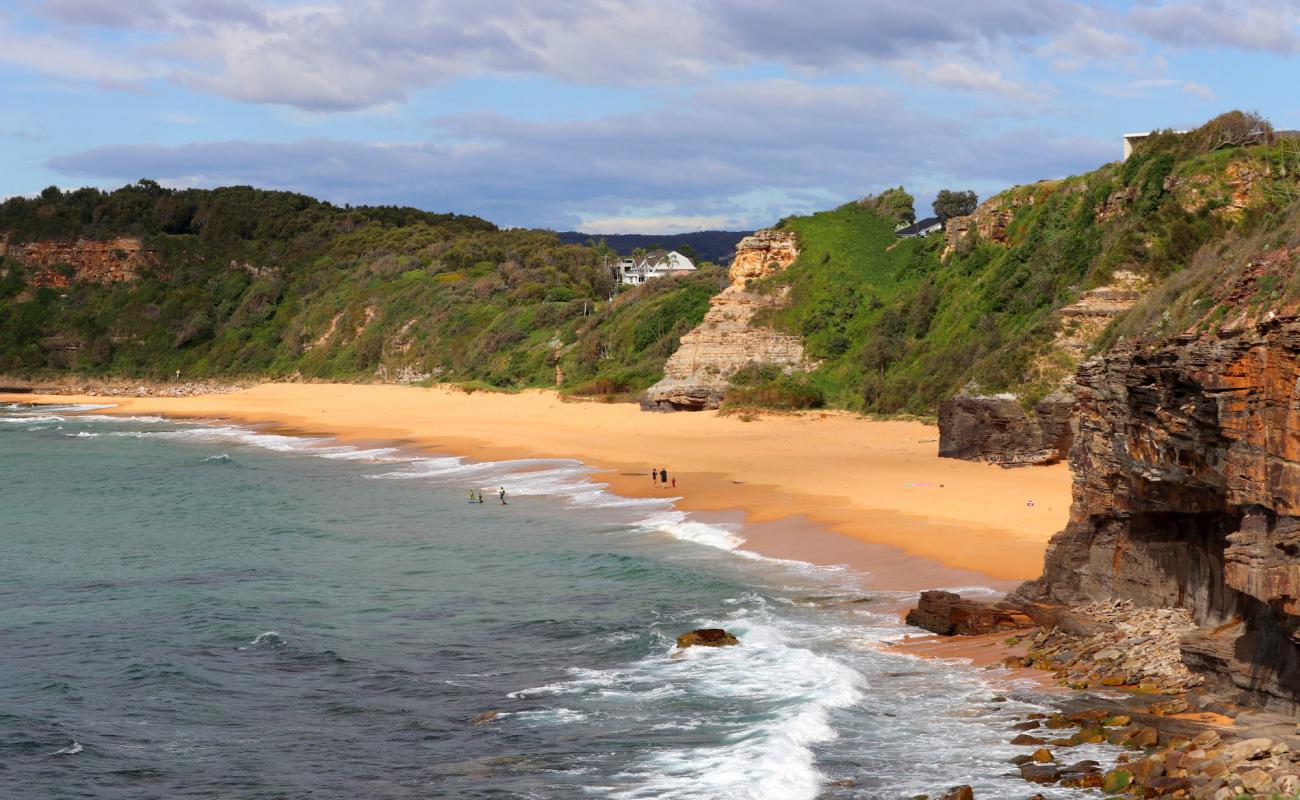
{"x": 1130, "y": 689}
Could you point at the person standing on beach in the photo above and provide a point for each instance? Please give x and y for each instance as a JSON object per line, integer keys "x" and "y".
{"x": 480, "y": 498}
{"x": 502, "y": 495}
{"x": 663, "y": 477}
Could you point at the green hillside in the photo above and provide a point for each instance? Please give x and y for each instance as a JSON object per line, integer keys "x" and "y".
{"x": 272, "y": 284}
{"x": 249, "y": 283}
{"x": 899, "y": 326}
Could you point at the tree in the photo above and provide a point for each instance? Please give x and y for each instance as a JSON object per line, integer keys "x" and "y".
{"x": 689, "y": 252}
{"x": 949, "y": 204}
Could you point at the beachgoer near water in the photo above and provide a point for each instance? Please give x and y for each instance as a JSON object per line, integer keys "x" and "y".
{"x": 502, "y": 495}
{"x": 471, "y": 495}
{"x": 663, "y": 477}
{"x": 674, "y": 483}
{"x": 480, "y": 498}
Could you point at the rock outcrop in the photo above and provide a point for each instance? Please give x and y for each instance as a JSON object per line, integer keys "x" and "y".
{"x": 698, "y": 375}
{"x": 60, "y": 264}
{"x": 707, "y": 637}
{"x": 998, "y": 429}
{"x": 1186, "y": 470}
{"x": 948, "y": 614}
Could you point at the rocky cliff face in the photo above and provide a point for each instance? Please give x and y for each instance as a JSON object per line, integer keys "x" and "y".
{"x": 1187, "y": 493}
{"x": 60, "y": 264}
{"x": 989, "y": 221}
{"x": 697, "y": 376}
{"x": 998, "y": 429}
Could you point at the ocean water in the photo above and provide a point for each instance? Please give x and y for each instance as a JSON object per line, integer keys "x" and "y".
{"x": 194, "y": 610}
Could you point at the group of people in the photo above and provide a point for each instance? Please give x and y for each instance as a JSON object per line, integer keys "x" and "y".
{"x": 477, "y": 497}
{"x": 661, "y": 476}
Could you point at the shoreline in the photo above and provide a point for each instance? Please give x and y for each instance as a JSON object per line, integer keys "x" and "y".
{"x": 919, "y": 521}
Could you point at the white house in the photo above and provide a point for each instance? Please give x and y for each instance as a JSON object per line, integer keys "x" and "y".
{"x": 655, "y": 264}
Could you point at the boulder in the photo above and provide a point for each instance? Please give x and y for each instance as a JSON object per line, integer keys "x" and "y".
{"x": 948, "y": 614}
{"x": 1040, "y": 773}
{"x": 959, "y": 793}
{"x": 706, "y": 637}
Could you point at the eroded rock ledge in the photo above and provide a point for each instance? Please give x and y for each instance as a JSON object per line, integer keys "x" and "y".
{"x": 1187, "y": 494}
{"x": 697, "y": 376}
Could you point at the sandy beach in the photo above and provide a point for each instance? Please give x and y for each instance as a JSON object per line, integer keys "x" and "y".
{"x": 879, "y": 482}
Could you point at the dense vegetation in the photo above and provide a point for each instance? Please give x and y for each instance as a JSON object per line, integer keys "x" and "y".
{"x": 899, "y": 325}
{"x": 245, "y": 282}
{"x": 248, "y": 282}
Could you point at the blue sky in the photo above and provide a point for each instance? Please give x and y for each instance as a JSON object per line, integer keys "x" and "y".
{"x": 617, "y": 115}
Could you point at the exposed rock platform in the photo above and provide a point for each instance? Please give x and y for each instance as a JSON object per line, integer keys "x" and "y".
{"x": 697, "y": 376}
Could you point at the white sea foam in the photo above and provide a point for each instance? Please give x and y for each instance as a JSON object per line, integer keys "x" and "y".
{"x": 267, "y": 638}
{"x": 147, "y": 419}
{"x": 81, "y": 435}
{"x": 29, "y": 419}
{"x": 679, "y": 525}
{"x": 762, "y": 755}
{"x": 70, "y": 750}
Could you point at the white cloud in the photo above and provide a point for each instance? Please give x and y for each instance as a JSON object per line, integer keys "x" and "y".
{"x": 331, "y": 55}
{"x": 1268, "y": 25}
{"x": 741, "y": 161}
{"x": 661, "y": 224}
{"x": 1198, "y": 89}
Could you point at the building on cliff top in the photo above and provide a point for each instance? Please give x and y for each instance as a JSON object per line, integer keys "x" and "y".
{"x": 1131, "y": 141}
{"x": 922, "y": 227}
{"x": 655, "y": 264}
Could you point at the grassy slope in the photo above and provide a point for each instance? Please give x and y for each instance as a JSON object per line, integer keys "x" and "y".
{"x": 898, "y": 329}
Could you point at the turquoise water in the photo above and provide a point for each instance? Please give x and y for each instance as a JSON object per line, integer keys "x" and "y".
{"x": 191, "y": 610}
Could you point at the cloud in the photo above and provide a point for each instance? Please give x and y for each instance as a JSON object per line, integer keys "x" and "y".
{"x": 755, "y": 152}
{"x": 69, "y": 58}
{"x": 1086, "y": 43}
{"x": 661, "y": 224}
{"x": 982, "y": 80}
{"x": 331, "y": 55}
{"x": 1269, "y": 25}
{"x": 1198, "y": 89}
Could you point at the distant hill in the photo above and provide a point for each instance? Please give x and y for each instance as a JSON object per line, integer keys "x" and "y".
{"x": 715, "y": 246}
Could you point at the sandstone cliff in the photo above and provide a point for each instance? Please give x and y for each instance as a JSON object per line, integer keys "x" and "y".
{"x": 998, "y": 429}
{"x": 59, "y": 264}
{"x": 1187, "y": 493}
{"x": 697, "y": 376}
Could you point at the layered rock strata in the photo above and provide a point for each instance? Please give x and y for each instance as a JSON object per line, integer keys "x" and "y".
{"x": 60, "y": 264}
{"x": 698, "y": 375}
{"x": 998, "y": 430}
{"x": 1186, "y": 471}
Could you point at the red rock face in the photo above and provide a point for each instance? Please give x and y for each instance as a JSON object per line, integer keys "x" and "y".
{"x": 60, "y": 264}
{"x": 1187, "y": 493}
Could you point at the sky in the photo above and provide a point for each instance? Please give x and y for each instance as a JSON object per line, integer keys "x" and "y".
{"x": 618, "y": 116}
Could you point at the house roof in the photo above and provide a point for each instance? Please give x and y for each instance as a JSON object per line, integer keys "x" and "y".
{"x": 916, "y": 228}
{"x": 657, "y": 257}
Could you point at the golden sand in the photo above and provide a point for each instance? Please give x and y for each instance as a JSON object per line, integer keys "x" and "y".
{"x": 876, "y": 481}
